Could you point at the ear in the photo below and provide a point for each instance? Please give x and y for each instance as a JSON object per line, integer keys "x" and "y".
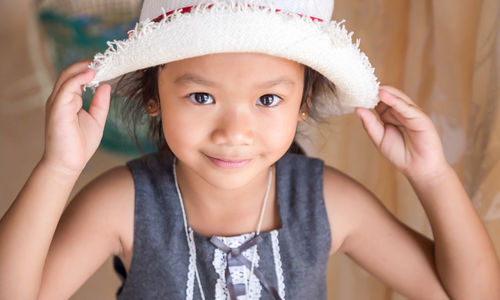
{"x": 304, "y": 110}
{"x": 152, "y": 108}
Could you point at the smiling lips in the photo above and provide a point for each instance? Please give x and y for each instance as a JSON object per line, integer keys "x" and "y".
{"x": 229, "y": 163}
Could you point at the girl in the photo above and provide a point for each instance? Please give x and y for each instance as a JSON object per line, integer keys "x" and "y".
{"x": 224, "y": 210}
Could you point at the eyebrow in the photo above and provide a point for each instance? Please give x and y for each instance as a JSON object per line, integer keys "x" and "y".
{"x": 189, "y": 77}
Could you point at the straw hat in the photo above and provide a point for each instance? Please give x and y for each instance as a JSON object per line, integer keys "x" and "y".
{"x": 171, "y": 30}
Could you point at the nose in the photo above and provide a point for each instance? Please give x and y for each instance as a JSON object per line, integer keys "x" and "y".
{"x": 235, "y": 127}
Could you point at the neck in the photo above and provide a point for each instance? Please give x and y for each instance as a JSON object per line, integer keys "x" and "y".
{"x": 237, "y": 209}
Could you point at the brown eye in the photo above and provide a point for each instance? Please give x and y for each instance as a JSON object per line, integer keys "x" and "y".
{"x": 269, "y": 100}
{"x": 201, "y": 98}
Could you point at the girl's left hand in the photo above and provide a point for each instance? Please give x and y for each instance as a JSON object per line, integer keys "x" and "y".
{"x": 407, "y": 137}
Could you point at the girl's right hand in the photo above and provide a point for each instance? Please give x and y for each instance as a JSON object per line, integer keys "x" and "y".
{"x": 72, "y": 134}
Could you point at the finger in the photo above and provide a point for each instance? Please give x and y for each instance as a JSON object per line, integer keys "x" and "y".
{"x": 372, "y": 126}
{"x": 390, "y": 117}
{"x": 398, "y": 93}
{"x": 76, "y": 91}
{"x": 73, "y": 86}
{"x": 100, "y": 104}
{"x": 67, "y": 73}
{"x": 72, "y": 70}
{"x": 386, "y": 114}
{"x": 400, "y": 109}
{"x": 382, "y": 108}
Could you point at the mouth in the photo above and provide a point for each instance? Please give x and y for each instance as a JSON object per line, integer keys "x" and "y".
{"x": 229, "y": 163}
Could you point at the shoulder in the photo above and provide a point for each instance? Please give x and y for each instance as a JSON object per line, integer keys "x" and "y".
{"x": 348, "y": 204}
{"x": 364, "y": 230}
{"x": 108, "y": 200}
{"x": 112, "y": 181}
{"x": 111, "y": 186}
{"x": 91, "y": 229}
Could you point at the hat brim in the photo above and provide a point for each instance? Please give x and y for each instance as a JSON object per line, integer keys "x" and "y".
{"x": 326, "y": 47}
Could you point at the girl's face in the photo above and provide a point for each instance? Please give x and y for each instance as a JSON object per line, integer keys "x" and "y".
{"x": 230, "y": 114}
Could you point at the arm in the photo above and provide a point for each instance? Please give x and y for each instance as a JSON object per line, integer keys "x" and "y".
{"x": 408, "y": 139}
{"x": 71, "y": 137}
{"x": 370, "y": 235}
{"x": 54, "y": 260}
{"x": 92, "y": 228}
{"x": 27, "y": 229}
{"x": 462, "y": 246}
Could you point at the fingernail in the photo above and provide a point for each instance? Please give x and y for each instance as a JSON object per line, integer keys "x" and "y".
{"x": 89, "y": 71}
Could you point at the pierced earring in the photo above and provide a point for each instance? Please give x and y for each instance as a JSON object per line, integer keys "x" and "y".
{"x": 152, "y": 108}
{"x": 304, "y": 115}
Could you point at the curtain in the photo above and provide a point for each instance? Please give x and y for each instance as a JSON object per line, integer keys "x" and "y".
{"x": 445, "y": 55}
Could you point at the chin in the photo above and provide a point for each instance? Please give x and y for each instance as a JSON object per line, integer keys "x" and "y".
{"x": 233, "y": 178}
{"x": 230, "y": 173}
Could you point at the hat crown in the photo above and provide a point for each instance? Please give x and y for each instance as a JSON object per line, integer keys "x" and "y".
{"x": 322, "y": 9}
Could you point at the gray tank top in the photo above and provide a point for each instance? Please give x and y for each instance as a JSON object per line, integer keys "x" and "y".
{"x": 292, "y": 259}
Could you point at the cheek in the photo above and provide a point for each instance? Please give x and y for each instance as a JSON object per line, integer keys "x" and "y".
{"x": 181, "y": 131}
{"x": 280, "y": 134}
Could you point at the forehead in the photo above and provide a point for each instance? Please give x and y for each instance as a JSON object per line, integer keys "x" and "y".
{"x": 250, "y": 67}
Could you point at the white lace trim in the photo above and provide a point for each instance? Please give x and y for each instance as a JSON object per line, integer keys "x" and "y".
{"x": 239, "y": 274}
{"x": 277, "y": 264}
{"x": 191, "y": 267}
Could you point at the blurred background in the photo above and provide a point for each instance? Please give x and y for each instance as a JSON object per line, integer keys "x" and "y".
{"x": 444, "y": 54}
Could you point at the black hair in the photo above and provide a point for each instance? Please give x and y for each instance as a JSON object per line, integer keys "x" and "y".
{"x": 138, "y": 87}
